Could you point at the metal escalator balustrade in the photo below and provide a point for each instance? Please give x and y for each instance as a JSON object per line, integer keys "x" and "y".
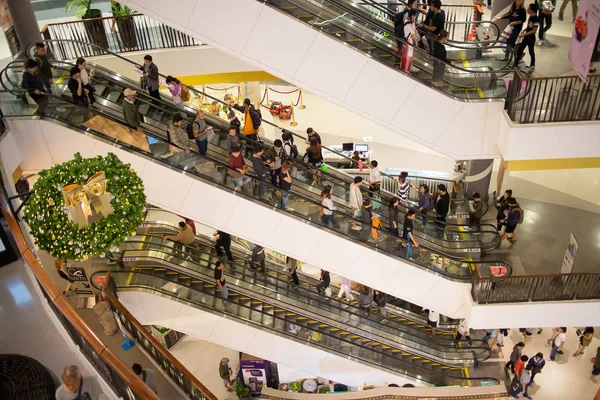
{"x": 253, "y": 310}
{"x": 354, "y": 27}
{"x": 384, "y": 325}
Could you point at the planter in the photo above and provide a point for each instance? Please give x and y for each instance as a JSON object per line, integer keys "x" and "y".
{"x": 126, "y": 27}
{"x": 94, "y": 28}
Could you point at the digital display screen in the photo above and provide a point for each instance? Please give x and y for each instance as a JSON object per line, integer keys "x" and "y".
{"x": 347, "y": 146}
{"x": 361, "y": 148}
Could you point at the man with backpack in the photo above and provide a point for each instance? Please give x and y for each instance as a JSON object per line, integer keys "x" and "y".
{"x": 514, "y": 216}
{"x": 252, "y": 120}
{"x": 198, "y": 130}
{"x": 276, "y": 156}
{"x": 291, "y": 150}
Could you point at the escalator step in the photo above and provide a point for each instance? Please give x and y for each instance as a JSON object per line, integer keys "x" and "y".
{"x": 301, "y": 319}
{"x": 268, "y": 306}
{"x": 344, "y": 333}
{"x": 279, "y": 310}
{"x": 196, "y": 281}
{"x": 435, "y": 364}
{"x": 354, "y": 337}
{"x": 256, "y": 302}
{"x": 386, "y": 347}
{"x": 416, "y": 357}
{"x": 392, "y": 316}
{"x": 396, "y": 351}
{"x": 375, "y": 344}
{"x": 160, "y": 269}
{"x": 245, "y": 298}
{"x": 290, "y": 314}
{"x": 185, "y": 277}
{"x": 426, "y": 361}
{"x": 334, "y": 329}
{"x": 172, "y": 272}
{"x": 365, "y": 340}
{"x": 323, "y": 325}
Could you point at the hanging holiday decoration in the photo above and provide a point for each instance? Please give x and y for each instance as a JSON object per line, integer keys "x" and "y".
{"x": 85, "y": 207}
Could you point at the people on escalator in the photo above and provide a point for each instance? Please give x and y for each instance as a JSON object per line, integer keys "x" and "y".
{"x": 425, "y": 202}
{"x": 232, "y": 139}
{"x": 365, "y": 298}
{"x": 132, "y": 116}
{"x": 150, "y": 73}
{"x": 257, "y": 260}
{"x": 75, "y": 85}
{"x": 356, "y": 201}
{"x": 276, "y": 156}
{"x": 252, "y": 120}
{"x": 440, "y": 58}
{"x": 325, "y": 281}
{"x": 393, "y": 216}
{"x": 477, "y": 213}
{"x": 399, "y": 20}
{"x": 310, "y": 132}
{"x": 328, "y": 209}
{"x": 442, "y": 205}
{"x": 403, "y": 188}
{"x": 407, "y": 233}
{"x": 345, "y": 288}
{"x": 201, "y": 130}
{"x": 514, "y": 216}
{"x": 260, "y": 171}
{"x": 176, "y": 88}
{"x": 528, "y": 36}
{"x": 85, "y": 79}
{"x": 35, "y": 86}
{"x": 285, "y": 184}
{"x": 291, "y": 151}
{"x": 433, "y": 319}
{"x": 234, "y": 121}
{"x": 463, "y": 331}
{"x": 292, "y": 265}
{"x": 411, "y": 36}
{"x": 220, "y": 280}
{"x": 357, "y": 160}
{"x": 237, "y": 168}
{"x": 223, "y": 241}
{"x": 546, "y": 8}
{"x": 178, "y": 138}
{"x": 516, "y": 17}
{"x": 437, "y": 21}
{"x": 366, "y": 217}
{"x": 184, "y": 236}
{"x": 314, "y": 158}
{"x": 374, "y": 178}
{"x": 44, "y": 68}
{"x": 380, "y": 300}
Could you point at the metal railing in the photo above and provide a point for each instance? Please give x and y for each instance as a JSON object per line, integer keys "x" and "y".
{"x": 134, "y": 32}
{"x": 583, "y": 286}
{"x": 192, "y": 387}
{"x": 558, "y": 99}
{"x": 108, "y": 365}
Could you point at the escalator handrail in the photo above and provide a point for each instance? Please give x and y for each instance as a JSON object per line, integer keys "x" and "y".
{"x": 168, "y": 104}
{"x": 153, "y": 245}
{"x": 252, "y": 199}
{"x": 275, "y": 316}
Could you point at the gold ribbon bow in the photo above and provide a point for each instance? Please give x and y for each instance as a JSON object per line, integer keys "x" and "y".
{"x": 80, "y": 199}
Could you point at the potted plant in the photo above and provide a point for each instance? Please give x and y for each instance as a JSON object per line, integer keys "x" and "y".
{"x": 126, "y": 25}
{"x": 93, "y": 26}
{"x": 242, "y": 391}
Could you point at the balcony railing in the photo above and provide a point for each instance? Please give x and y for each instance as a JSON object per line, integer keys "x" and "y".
{"x": 110, "y": 367}
{"x": 558, "y": 99}
{"x": 134, "y": 32}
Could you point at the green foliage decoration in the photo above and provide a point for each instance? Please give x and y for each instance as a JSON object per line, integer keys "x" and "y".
{"x": 47, "y": 216}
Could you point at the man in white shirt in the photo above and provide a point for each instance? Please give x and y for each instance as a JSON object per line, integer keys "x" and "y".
{"x": 374, "y": 178}
{"x": 463, "y": 331}
{"x": 432, "y": 321}
{"x": 558, "y": 343}
{"x": 147, "y": 375}
{"x": 75, "y": 386}
{"x": 356, "y": 201}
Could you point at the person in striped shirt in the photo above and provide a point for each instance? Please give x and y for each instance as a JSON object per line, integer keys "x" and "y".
{"x": 403, "y": 188}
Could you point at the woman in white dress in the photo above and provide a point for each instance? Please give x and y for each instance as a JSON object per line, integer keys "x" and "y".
{"x": 412, "y": 37}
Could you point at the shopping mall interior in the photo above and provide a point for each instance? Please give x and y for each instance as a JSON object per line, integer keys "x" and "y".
{"x": 293, "y": 199}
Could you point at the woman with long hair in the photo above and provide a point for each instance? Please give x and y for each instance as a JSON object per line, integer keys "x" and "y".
{"x": 314, "y": 156}
{"x": 393, "y": 215}
{"x": 516, "y": 17}
{"x": 412, "y": 37}
{"x": 61, "y": 268}
{"x": 440, "y": 58}
{"x": 175, "y": 88}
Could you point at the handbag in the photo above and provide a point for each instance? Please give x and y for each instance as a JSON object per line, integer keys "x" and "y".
{"x": 507, "y": 31}
{"x": 143, "y": 82}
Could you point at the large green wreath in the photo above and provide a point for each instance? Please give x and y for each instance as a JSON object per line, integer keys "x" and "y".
{"x": 47, "y": 216}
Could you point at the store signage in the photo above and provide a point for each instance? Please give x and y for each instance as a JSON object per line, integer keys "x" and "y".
{"x": 583, "y": 39}
{"x": 77, "y": 274}
{"x": 84, "y": 291}
{"x": 9, "y": 28}
{"x": 569, "y": 260}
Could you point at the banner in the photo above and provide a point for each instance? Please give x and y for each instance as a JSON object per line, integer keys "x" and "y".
{"x": 587, "y": 24}
{"x": 8, "y": 28}
{"x": 569, "y": 260}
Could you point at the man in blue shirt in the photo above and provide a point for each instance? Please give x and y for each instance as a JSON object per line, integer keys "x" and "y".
{"x": 512, "y": 218}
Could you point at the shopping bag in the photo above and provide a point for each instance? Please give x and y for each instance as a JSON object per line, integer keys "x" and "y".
{"x": 507, "y": 31}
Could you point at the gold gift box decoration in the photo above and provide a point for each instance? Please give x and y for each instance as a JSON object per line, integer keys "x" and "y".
{"x": 79, "y": 200}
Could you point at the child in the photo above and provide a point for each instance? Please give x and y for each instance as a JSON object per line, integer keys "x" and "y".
{"x": 528, "y": 36}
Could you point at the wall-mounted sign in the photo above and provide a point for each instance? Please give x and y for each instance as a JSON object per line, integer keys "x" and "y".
{"x": 77, "y": 274}
{"x": 9, "y": 28}
{"x": 569, "y": 260}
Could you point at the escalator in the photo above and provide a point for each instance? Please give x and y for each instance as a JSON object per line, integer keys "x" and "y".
{"x": 453, "y": 242}
{"x": 479, "y": 66}
{"x": 268, "y": 302}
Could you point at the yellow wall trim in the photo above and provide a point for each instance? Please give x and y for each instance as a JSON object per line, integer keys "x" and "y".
{"x": 228, "y": 77}
{"x": 555, "y": 163}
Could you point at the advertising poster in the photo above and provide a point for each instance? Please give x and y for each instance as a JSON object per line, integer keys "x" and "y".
{"x": 569, "y": 260}
{"x": 584, "y": 36}
{"x": 254, "y": 375}
{"x": 77, "y": 274}
{"x": 8, "y": 28}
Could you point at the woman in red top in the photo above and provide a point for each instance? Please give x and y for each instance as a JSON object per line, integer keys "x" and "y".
{"x": 238, "y": 168}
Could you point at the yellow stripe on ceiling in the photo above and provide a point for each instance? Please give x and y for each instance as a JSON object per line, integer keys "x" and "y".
{"x": 555, "y": 163}
{"x": 228, "y": 77}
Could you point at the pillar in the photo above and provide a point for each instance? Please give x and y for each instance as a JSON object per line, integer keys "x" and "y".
{"x": 478, "y": 177}
{"x": 25, "y": 28}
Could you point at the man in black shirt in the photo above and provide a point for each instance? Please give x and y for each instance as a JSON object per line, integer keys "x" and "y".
{"x": 34, "y": 85}
{"x": 407, "y": 232}
{"x": 310, "y": 132}
{"x": 436, "y": 22}
{"x": 528, "y": 36}
{"x": 260, "y": 171}
{"x": 223, "y": 240}
{"x": 76, "y": 87}
{"x": 220, "y": 281}
{"x": 325, "y": 281}
{"x": 442, "y": 205}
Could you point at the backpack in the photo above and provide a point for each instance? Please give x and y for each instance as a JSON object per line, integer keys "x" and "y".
{"x": 293, "y": 149}
{"x": 185, "y": 93}
{"x": 376, "y": 224}
{"x": 190, "y": 130}
{"x": 521, "y": 214}
{"x": 431, "y": 203}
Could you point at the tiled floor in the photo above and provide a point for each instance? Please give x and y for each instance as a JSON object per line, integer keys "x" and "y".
{"x": 26, "y": 327}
